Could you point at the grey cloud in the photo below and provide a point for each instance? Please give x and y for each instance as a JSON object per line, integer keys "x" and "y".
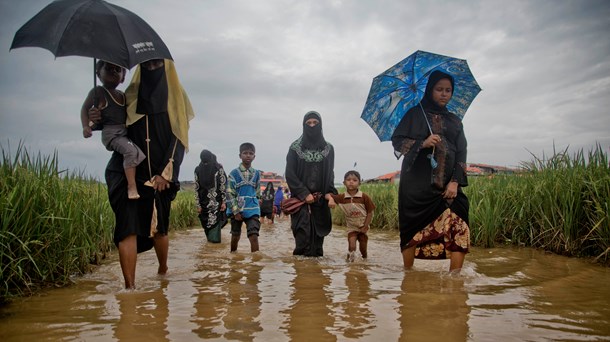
{"x": 252, "y": 69}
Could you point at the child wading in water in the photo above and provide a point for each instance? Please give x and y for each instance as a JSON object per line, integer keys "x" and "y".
{"x": 358, "y": 209}
{"x": 243, "y": 195}
{"x": 111, "y": 102}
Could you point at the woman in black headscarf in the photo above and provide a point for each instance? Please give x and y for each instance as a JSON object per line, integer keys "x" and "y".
{"x": 266, "y": 202}
{"x": 432, "y": 209}
{"x": 309, "y": 170}
{"x": 158, "y": 114}
{"x": 210, "y": 195}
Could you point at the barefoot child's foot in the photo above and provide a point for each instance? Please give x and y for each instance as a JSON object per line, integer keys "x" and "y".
{"x": 133, "y": 193}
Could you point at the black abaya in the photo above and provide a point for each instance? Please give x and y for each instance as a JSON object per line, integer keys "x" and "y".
{"x": 310, "y": 169}
{"x": 420, "y": 195}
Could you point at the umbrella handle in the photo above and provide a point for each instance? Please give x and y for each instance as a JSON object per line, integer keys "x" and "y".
{"x": 91, "y": 123}
{"x": 94, "y": 83}
{"x": 426, "y": 118}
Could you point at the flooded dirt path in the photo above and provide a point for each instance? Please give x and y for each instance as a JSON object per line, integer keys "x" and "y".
{"x": 211, "y": 294}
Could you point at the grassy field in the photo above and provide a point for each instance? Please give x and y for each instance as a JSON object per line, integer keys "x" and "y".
{"x": 55, "y": 224}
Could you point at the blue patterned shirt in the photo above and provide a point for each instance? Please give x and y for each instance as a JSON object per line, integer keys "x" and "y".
{"x": 243, "y": 192}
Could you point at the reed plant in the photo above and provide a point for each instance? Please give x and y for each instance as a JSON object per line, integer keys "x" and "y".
{"x": 558, "y": 203}
{"x": 53, "y": 223}
{"x": 184, "y": 211}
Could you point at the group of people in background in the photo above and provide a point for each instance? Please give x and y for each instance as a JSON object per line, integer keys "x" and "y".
{"x": 241, "y": 189}
{"x": 310, "y": 177}
{"x": 147, "y": 129}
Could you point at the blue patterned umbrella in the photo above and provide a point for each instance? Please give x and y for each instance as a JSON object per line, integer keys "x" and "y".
{"x": 402, "y": 86}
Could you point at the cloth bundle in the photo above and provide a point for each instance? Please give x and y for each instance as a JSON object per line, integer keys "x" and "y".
{"x": 291, "y": 205}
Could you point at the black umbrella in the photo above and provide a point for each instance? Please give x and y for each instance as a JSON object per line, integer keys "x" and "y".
{"x": 92, "y": 28}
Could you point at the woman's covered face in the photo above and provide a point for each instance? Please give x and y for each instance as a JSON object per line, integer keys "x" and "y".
{"x": 312, "y": 122}
{"x": 442, "y": 92}
{"x": 153, "y": 64}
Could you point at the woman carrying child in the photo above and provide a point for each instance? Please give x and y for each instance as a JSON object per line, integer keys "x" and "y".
{"x": 158, "y": 115}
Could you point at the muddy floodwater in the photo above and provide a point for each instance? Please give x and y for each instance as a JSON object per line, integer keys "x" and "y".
{"x": 210, "y": 294}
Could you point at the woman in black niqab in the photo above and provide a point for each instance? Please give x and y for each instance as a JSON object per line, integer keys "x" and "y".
{"x": 207, "y": 168}
{"x": 309, "y": 170}
{"x": 432, "y": 209}
{"x": 266, "y": 202}
{"x": 210, "y": 193}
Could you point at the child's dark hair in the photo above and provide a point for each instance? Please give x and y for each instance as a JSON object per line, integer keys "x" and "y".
{"x": 247, "y": 147}
{"x": 352, "y": 173}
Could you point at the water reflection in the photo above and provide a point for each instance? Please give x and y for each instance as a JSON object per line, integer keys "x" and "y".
{"x": 143, "y": 315}
{"x": 433, "y": 305}
{"x": 356, "y": 309}
{"x": 208, "y": 303}
{"x": 243, "y": 300}
{"x": 309, "y": 313}
{"x": 211, "y": 294}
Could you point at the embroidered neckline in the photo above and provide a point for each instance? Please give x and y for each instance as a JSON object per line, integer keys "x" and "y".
{"x": 312, "y": 156}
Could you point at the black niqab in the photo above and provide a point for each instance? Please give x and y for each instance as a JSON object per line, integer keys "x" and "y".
{"x": 153, "y": 92}
{"x": 313, "y": 138}
{"x": 206, "y": 171}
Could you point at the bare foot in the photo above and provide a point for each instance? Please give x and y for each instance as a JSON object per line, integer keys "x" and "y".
{"x": 133, "y": 193}
{"x": 162, "y": 270}
{"x": 351, "y": 256}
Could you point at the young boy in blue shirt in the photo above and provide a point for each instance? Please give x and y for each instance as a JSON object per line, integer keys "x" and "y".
{"x": 243, "y": 195}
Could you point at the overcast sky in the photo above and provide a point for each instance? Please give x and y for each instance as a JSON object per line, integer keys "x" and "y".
{"x": 252, "y": 69}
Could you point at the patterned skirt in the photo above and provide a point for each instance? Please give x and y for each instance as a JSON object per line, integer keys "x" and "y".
{"x": 448, "y": 233}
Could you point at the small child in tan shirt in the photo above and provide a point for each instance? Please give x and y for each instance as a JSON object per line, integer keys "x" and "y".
{"x": 358, "y": 209}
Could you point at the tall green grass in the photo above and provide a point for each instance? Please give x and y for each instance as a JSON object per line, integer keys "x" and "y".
{"x": 53, "y": 223}
{"x": 560, "y": 203}
{"x": 184, "y": 211}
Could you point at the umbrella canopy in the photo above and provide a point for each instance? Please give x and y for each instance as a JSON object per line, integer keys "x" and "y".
{"x": 402, "y": 87}
{"x": 92, "y": 28}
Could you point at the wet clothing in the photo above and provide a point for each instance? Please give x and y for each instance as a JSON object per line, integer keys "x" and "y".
{"x": 243, "y": 192}
{"x": 448, "y": 233}
{"x": 310, "y": 169}
{"x": 135, "y": 216}
{"x": 253, "y": 226}
{"x": 420, "y": 194}
{"x": 210, "y": 191}
{"x": 355, "y": 208}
